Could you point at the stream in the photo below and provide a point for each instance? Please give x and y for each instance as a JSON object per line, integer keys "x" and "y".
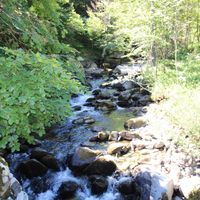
{"x": 63, "y": 139}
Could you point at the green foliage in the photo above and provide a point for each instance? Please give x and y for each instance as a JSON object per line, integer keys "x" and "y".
{"x": 36, "y": 82}
{"x": 35, "y": 93}
{"x": 135, "y": 26}
{"x": 180, "y": 89}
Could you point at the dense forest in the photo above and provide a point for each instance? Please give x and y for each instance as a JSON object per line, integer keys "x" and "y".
{"x": 99, "y": 99}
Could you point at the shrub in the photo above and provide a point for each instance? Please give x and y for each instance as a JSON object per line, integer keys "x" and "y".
{"x": 34, "y": 93}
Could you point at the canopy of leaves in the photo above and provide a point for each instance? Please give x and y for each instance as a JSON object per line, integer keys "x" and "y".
{"x": 40, "y": 70}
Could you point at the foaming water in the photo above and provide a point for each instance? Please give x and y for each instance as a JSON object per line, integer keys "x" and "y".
{"x": 83, "y": 193}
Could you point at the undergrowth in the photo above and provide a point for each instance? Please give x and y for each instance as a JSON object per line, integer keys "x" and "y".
{"x": 179, "y": 91}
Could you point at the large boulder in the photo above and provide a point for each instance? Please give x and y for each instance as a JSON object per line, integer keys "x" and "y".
{"x": 45, "y": 158}
{"x": 118, "y": 148}
{"x": 103, "y": 165}
{"x": 32, "y": 168}
{"x": 82, "y": 157}
{"x": 128, "y": 186}
{"x": 67, "y": 190}
{"x": 10, "y": 188}
{"x": 38, "y": 153}
{"x": 135, "y": 123}
{"x": 99, "y": 184}
{"x": 143, "y": 179}
{"x": 154, "y": 185}
{"x": 51, "y": 162}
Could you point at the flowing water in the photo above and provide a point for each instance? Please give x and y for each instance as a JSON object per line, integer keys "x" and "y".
{"x": 63, "y": 140}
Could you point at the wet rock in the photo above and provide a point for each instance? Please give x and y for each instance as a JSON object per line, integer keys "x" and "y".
{"x": 105, "y": 84}
{"x": 190, "y": 186}
{"x": 135, "y": 97}
{"x": 94, "y": 139}
{"x": 103, "y": 165}
{"x": 91, "y": 99}
{"x": 124, "y": 96}
{"x": 128, "y": 186}
{"x": 118, "y": 148}
{"x": 38, "y": 153}
{"x": 51, "y": 162}
{"x": 105, "y": 105}
{"x": 82, "y": 158}
{"x": 78, "y": 121}
{"x": 45, "y": 158}
{"x": 32, "y": 168}
{"x": 40, "y": 185}
{"x": 84, "y": 120}
{"x": 97, "y": 129}
{"x": 105, "y": 94}
{"x": 125, "y": 104}
{"x": 76, "y": 108}
{"x": 67, "y": 190}
{"x": 134, "y": 123}
{"x": 99, "y": 184}
{"x": 88, "y": 104}
{"x": 89, "y": 120}
{"x": 96, "y": 92}
{"x": 103, "y": 136}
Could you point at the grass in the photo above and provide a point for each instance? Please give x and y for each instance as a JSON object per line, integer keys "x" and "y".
{"x": 180, "y": 92}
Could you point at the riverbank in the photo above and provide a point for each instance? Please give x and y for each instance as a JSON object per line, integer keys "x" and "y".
{"x": 115, "y": 146}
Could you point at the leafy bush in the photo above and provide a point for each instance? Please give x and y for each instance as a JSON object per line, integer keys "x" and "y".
{"x": 34, "y": 93}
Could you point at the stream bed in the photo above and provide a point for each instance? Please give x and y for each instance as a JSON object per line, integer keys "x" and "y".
{"x": 63, "y": 140}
